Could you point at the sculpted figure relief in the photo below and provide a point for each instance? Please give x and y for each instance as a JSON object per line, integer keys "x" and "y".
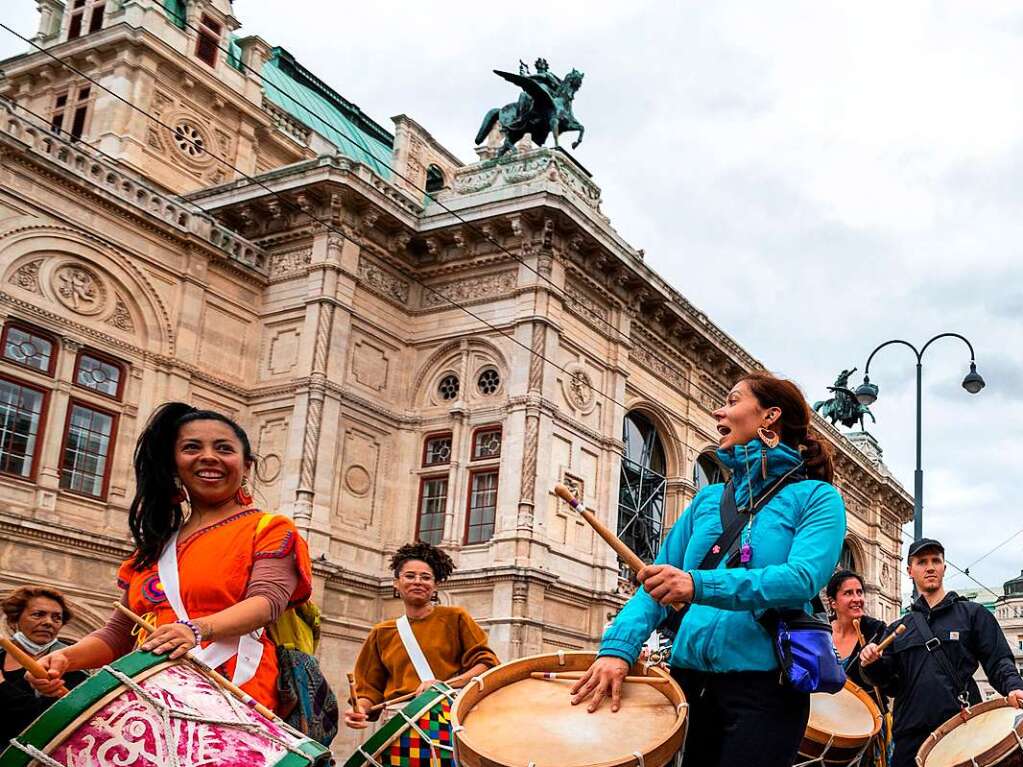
{"x": 543, "y": 107}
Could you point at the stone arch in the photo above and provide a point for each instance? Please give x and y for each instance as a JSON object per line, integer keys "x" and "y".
{"x": 450, "y": 357}
{"x": 858, "y": 561}
{"x": 674, "y": 449}
{"x": 84, "y": 619}
{"x": 33, "y": 259}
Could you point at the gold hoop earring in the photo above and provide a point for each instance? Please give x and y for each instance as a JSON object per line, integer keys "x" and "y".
{"x": 182, "y": 500}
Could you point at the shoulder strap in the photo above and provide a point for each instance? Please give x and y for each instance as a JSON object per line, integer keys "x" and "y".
{"x": 937, "y": 651}
{"x": 415, "y": 652}
{"x": 731, "y": 525}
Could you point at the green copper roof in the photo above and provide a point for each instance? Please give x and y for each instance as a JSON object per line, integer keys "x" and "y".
{"x": 176, "y": 11}
{"x": 343, "y": 123}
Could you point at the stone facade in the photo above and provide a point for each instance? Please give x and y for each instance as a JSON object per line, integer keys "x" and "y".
{"x": 346, "y": 323}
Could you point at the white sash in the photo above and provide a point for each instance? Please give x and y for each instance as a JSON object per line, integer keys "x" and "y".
{"x": 247, "y": 647}
{"x": 415, "y": 652}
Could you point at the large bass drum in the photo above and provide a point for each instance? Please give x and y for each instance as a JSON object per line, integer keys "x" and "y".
{"x": 506, "y": 718}
{"x": 987, "y": 734}
{"x": 144, "y": 710}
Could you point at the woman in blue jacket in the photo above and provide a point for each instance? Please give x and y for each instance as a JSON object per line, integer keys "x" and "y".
{"x": 739, "y": 713}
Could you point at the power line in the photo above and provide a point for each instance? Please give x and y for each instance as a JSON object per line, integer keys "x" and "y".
{"x": 295, "y": 207}
{"x": 956, "y": 567}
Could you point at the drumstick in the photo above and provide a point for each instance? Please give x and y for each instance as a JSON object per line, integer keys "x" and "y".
{"x": 631, "y": 559}
{"x": 401, "y": 698}
{"x": 352, "y": 694}
{"x": 205, "y": 670}
{"x": 859, "y": 634}
{"x": 899, "y": 631}
{"x": 30, "y": 664}
{"x": 576, "y": 675}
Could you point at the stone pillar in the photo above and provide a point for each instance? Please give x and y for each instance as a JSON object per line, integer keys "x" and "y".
{"x": 51, "y": 13}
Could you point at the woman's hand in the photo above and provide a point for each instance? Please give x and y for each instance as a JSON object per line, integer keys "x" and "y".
{"x": 667, "y": 584}
{"x": 358, "y": 718}
{"x": 603, "y": 677}
{"x": 55, "y": 664}
{"x": 174, "y": 638}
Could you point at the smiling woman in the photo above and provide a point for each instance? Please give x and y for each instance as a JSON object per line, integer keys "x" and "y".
{"x": 192, "y": 504}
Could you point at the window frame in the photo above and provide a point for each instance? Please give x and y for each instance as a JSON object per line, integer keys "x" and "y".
{"x": 90, "y": 352}
{"x": 487, "y": 429}
{"x": 115, "y": 423}
{"x": 419, "y": 502}
{"x": 77, "y": 26}
{"x": 473, "y": 473}
{"x": 25, "y": 327}
{"x": 64, "y": 117}
{"x": 44, "y": 411}
{"x": 212, "y": 30}
{"x": 434, "y": 435}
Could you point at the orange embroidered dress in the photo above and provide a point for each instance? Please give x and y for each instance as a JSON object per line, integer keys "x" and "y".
{"x": 213, "y": 571}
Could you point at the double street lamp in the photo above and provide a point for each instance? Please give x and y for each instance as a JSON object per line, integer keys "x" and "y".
{"x": 866, "y": 393}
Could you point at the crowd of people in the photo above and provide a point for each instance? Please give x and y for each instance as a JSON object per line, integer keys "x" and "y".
{"x": 212, "y": 571}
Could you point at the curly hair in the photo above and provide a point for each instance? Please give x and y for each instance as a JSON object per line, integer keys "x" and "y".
{"x": 16, "y": 602}
{"x": 438, "y": 560}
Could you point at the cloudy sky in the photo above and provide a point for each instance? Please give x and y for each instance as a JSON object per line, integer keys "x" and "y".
{"x": 818, "y": 177}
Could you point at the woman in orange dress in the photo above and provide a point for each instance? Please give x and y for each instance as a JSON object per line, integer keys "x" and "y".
{"x": 210, "y": 569}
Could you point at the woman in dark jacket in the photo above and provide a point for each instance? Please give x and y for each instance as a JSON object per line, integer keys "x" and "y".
{"x": 35, "y": 615}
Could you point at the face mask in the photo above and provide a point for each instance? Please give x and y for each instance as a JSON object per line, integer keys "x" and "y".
{"x": 32, "y": 647}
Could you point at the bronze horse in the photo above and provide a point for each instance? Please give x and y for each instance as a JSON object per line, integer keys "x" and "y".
{"x": 544, "y": 107}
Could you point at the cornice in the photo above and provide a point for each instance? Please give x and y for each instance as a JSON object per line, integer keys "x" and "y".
{"x": 69, "y": 538}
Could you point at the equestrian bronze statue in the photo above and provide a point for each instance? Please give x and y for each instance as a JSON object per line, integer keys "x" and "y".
{"x": 843, "y": 407}
{"x": 544, "y": 107}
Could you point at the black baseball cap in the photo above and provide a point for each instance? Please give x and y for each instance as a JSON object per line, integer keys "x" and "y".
{"x": 924, "y": 543}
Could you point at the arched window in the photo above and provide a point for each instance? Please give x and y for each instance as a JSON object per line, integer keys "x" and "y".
{"x": 707, "y": 471}
{"x": 434, "y": 179}
{"x": 847, "y": 560}
{"x": 641, "y": 487}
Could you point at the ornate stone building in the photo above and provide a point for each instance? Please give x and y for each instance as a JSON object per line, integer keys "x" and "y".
{"x": 404, "y": 366}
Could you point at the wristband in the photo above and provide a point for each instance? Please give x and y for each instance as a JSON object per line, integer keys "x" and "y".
{"x": 195, "y": 631}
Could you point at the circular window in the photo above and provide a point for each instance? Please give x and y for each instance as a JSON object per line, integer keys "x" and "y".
{"x": 489, "y": 381}
{"x": 189, "y": 140}
{"x": 448, "y": 388}
{"x": 28, "y": 349}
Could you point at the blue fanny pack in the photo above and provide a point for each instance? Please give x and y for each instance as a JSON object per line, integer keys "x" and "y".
{"x": 805, "y": 651}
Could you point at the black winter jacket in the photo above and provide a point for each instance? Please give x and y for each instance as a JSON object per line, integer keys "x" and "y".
{"x": 924, "y": 694}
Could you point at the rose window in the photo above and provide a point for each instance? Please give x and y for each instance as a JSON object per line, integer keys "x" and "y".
{"x": 489, "y": 381}
{"x": 448, "y": 388}
{"x": 189, "y": 140}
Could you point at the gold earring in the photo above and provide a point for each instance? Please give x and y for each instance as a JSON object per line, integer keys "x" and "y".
{"x": 768, "y": 437}
{"x": 182, "y": 500}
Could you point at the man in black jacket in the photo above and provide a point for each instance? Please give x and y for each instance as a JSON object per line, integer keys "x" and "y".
{"x": 929, "y": 669}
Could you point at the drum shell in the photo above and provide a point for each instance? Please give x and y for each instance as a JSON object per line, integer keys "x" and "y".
{"x": 1006, "y": 753}
{"x": 92, "y": 712}
{"x": 511, "y": 672}
{"x": 843, "y": 749}
{"x": 392, "y": 730}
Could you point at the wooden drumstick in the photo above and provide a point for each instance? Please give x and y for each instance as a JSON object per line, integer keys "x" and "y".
{"x": 352, "y": 694}
{"x": 899, "y": 631}
{"x": 576, "y": 675}
{"x": 859, "y": 633}
{"x": 209, "y": 673}
{"x": 30, "y": 664}
{"x": 401, "y": 698}
{"x": 631, "y": 559}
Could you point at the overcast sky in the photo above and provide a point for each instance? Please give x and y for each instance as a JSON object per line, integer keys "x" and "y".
{"x": 817, "y": 176}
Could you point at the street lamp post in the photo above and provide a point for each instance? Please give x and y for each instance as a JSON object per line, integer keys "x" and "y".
{"x": 866, "y": 393}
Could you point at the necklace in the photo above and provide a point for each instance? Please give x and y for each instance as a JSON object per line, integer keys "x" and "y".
{"x": 746, "y": 547}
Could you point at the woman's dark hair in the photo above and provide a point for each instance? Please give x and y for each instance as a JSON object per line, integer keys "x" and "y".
{"x": 16, "y": 602}
{"x": 794, "y": 425}
{"x": 438, "y": 560}
{"x": 838, "y": 579}
{"x": 155, "y": 514}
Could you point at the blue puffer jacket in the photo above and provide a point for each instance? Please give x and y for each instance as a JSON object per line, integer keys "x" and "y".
{"x": 796, "y": 540}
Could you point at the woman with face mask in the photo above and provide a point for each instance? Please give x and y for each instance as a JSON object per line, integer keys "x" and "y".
{"x": 450, "y": 646}
{"x": 793, "y": 525}
{"x": 210, "y": 569}
{"x": 35, "y": 616}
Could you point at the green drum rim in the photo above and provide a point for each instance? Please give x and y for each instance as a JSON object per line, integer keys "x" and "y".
{"x": 57, "y": 717}
{"x": 382, "y": 737}
{"x": 61, "y": 714}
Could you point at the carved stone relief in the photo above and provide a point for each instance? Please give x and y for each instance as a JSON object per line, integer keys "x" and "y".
{"x": 283, "y": 351}
{"x": 370, "y": 365}
{"x": 470, "y": 289}
{"x": 282, "y": 264}
{"x": 27, "y": 276}
{"x": 382, "y": 282}
{"x": 79, "y": 289}
{"x": 360, "y": 457}
{"x": 121, "y": 317}
{"x": 578, "y": 387}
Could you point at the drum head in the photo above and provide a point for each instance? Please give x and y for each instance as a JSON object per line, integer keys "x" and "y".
{"x": 981, "y": 734}
{"x": 849, "y": 716}
{"x": 513, "y": 719}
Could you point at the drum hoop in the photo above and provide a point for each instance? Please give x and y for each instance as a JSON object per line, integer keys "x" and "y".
{"x": 562, "y": 661}
{"x": 843, "y": 740}
{"x": 46, "y": 732}
{"x": 998, "y": 751}
{"x": 392, "y": 730}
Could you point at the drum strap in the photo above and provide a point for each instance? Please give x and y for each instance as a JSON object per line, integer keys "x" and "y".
{"x": 415, "y": 652}
{"x": 247, "y": 647}
{"x": 934, "y": 646}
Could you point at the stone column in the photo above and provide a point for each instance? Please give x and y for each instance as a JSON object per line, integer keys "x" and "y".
{"x": 51, "y": 13}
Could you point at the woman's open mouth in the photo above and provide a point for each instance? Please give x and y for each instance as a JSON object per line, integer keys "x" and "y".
{"x": 723, "y": 430}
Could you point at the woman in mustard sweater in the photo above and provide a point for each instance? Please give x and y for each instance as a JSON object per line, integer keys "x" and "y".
{"x": 429, "y": 643}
